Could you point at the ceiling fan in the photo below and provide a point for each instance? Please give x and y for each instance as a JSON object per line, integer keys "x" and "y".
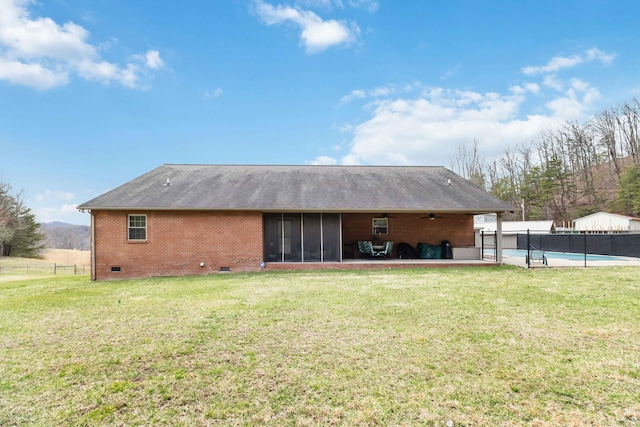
{"x": 431, "y": 216}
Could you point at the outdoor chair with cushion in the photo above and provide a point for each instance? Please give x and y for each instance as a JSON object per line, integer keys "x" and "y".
{"x": 365, "y": 248}
{"x": 361, "y": 248}
{"x": 386, "y": 251}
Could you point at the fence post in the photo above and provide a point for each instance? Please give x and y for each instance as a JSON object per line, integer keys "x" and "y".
{"x": 528, "y": 249}
{"x": 585, "y": 247}
{"x": 55, "y": 268}
{"x": 482, "y": 244}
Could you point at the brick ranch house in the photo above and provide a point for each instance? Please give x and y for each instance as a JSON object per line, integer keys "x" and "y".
{"x": 200, "y": 219}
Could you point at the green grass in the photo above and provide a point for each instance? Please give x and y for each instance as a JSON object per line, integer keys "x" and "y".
{"x": 484, "y": 346}
{"x": 14, "y": 267}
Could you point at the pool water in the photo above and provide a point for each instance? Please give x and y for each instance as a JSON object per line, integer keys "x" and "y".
{"x": 562, "y": 255}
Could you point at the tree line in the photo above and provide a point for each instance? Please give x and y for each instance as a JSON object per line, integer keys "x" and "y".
{"x": 567, "y": 172}
{"x": 19, "y": 232}
{"x": 66, "y": 236}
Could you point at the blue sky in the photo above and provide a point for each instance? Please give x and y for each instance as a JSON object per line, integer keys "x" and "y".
{"x": 93, "y": 94}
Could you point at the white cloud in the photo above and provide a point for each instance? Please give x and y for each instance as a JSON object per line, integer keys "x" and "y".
{"x": 418, "y": 124}
{"x": 553, "y": 82}
{"x": 450, "y": 72}
{"x": 323, "y": 160}
{"x": 355, "y": 94}
{"x": 378, "y": 92}
{"x": 217, "y": 92}
{"x": 105, "y": 72}
{"x": 383, "y": 91}
{"x": 559, "y": 63}
{"x": 55, "y": 195}
{"x": 72, "y": 208}
{"x": 321, "y": 4}
{"x": 316, "y": 34}
{"x": 42, "y": 54}
{"x": 575, "y": 100}
{"x": 33, "y": 75}
{"x": 54, "y": 205}
{"x": 153, "y": 60}
{"x": 369, "y": 5}
{"x": 424, "y": 130}
{"x": 64, "y": 213}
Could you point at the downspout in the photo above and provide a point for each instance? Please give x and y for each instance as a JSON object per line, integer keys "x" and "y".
{"x": 499, "y": 238}
{"x": 340, "y": 244}
{"x": 93, "y": 247}
{"x": 321, "y": 238}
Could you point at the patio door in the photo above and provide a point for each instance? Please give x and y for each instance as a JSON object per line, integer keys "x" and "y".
{"x": 312, "y": 240}
{"x": 331, "y": 237}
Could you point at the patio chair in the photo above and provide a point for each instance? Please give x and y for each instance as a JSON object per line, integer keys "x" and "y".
{"x": 365, "y": 248}
{"x": 536, "y": 255}
{"x": 388, "y": 247}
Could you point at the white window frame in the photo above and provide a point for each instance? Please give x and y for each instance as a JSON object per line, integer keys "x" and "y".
{"x": 131, "y": 227}
{"x": 380, "y": 226}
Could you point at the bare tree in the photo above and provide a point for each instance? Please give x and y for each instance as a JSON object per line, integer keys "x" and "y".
{"x": 606, "y": 131}
{"x": 468, "y": 164}
{"x": 584, "y": 156}
{"x": 560, "y": 174}
{"x": 629, "y": 126}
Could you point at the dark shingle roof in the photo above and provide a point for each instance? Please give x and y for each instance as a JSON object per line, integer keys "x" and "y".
{"x": 300, "y": 188}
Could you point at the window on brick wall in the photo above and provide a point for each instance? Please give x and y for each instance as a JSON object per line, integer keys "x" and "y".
{"x": 137, "y": 227}
{"x": 380, "y": 226}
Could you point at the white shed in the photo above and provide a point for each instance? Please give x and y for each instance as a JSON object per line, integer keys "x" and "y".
{"x": 521, "y": 227}
{"x": 511, "y": 229}
{"x": 606, "y": 222}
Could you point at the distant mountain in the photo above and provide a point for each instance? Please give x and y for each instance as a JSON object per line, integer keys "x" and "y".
{"x": 61, "y": 235}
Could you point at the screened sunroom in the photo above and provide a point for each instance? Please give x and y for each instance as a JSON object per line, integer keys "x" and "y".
{"x": 302, "y": 237}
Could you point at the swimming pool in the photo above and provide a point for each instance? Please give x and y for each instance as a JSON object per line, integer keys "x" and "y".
{"x": 562, "y": 255}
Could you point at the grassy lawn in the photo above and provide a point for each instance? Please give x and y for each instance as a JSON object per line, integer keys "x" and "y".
{"x": 60, "y": 262}
{"x": 485, "y": 346}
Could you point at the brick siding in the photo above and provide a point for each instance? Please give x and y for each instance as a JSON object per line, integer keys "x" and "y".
{"x": 177, "y": 243}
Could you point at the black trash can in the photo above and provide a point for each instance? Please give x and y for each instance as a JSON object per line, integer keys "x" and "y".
{"x": 447, "y": 253}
